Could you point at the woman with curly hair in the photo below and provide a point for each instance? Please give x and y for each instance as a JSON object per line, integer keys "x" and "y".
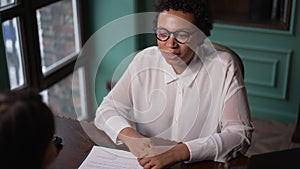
{"x": 182, "y": 100}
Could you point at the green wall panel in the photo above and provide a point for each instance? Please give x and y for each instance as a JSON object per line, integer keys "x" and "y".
{"x": 101, "y": 13}
{"x": 271, "y": 59}
{"x": 266, "y": 70}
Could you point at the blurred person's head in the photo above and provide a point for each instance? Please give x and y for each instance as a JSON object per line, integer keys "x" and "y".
{"x": 26, "y": 131}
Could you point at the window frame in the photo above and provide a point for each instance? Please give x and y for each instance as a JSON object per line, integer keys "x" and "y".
{"x": 25, "y": 11}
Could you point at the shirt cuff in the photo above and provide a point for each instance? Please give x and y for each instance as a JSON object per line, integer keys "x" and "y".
{"x": 201, "y": 149}
{"x": 113, "y": 127}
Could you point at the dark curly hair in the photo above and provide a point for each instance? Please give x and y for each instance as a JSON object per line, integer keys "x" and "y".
{"x": 199, "y": 8}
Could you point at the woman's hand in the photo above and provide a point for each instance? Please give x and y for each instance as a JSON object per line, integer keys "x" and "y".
{"x": 167, "y": 158}
{"x": 138, "y": 144}
{"x": 154, "y": 153}
{"x": 142, "y": 146}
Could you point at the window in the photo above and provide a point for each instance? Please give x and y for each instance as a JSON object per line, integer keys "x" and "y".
{"x": 42, "y": 41}
{"x": 6, "y": 2}
{"x": 59, "y": 96}
{"x": 57, "y": 20}
{"x": 13, "y": 53}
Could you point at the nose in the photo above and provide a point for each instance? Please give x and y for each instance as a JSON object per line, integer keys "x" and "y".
{"x": 171, "y": 42}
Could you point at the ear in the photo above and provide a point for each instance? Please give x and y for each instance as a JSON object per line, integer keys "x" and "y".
{"x": 200, "y": 38}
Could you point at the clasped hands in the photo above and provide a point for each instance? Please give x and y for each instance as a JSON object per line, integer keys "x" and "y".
{"x": 149, "y": 147}
{"x": 155, "y": 153}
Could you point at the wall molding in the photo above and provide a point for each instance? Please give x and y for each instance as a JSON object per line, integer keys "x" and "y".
{"x": 274, "y": 65}
{"x": 275, "y": 61}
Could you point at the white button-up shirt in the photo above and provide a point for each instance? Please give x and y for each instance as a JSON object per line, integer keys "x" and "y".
{"x": 205, "y": 107}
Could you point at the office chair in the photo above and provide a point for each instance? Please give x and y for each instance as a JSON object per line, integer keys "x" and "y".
{"x": 220, "y": 47}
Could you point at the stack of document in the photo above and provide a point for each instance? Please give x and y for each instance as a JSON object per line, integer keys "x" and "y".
{"x": 107, "y": 158}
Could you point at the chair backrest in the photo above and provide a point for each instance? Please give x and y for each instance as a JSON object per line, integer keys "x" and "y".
{"x": 220, "y": 47}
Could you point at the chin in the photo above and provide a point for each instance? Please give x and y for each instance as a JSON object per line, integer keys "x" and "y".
{"x": 172, "y": 62}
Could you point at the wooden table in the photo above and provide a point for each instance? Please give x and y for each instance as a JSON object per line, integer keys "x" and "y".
{"x": 77, "y": 144}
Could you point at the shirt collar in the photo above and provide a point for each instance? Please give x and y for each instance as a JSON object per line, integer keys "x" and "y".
{"x": 170, "y": 74}
{"x": 191, "y": 72}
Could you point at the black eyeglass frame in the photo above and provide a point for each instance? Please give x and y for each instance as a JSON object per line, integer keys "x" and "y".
{"x": 175, "y": 34}
{"x": 57, "y": 141}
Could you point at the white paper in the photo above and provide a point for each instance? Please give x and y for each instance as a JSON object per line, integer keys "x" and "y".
{"x": 107, "y": 158}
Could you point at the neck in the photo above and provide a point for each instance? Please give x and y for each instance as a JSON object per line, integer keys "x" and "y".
{"x": 179, "y": 68}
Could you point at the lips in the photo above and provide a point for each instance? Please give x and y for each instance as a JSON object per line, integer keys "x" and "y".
{"x": 170, "y": 55}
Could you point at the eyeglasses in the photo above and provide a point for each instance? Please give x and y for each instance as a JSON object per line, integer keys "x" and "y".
{"x": 57, "y": 141}
{"x": 181, "y": 36}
